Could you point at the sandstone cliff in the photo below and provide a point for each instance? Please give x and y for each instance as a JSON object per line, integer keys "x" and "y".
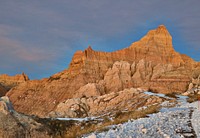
{"x": 150, "y": 63}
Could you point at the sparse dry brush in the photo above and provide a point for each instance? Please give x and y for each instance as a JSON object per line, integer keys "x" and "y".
{"x": 193, "y": 98}
{"x": 120, "y": 117}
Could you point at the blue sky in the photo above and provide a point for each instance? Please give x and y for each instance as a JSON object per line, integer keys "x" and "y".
{"x": 39, "y": 37}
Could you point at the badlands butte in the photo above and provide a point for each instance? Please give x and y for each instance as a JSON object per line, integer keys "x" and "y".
{"x": 100, "y": 82}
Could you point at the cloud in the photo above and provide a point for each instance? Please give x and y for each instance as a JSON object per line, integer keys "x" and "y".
{"x": 18, "y": 56}
{"x": 11, "y": 47}
{"x": 48, "y": 32}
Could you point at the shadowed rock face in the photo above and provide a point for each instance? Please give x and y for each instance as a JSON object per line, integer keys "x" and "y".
{"x": 15, "y": 125}
{"x": 2, "y": 90}
{"x": 150, "y": 63}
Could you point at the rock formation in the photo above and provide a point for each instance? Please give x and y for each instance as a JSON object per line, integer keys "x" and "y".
{"x": 126, "y": 100}
{"x": 194, "y": 86}
{"x": 150, "y": 63}
{"x": 7, "y": 82}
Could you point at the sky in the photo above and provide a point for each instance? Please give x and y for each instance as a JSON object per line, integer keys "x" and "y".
{"x": 39, "y": 37}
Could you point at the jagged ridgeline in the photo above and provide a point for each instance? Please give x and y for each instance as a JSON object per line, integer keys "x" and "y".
{"x": 7, "y": 82}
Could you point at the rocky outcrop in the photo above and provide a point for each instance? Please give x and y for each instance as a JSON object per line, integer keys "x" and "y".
{"x": 126, "y": 100}
{"x": 150, "y": 63}
{"x": 90, "y": 89}
{"x": 194, "y": 86}
{"x": 7, "y": 82}
{"x": 118, "y": 77}
{"x": 160, "y": 78}
{"x": 15, "y": 125}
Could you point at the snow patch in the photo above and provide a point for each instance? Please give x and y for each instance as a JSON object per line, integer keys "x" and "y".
{"x": 80, "y": 119}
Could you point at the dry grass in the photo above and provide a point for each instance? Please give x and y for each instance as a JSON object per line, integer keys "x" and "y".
{"x": 193, "y": 98}
{"x": 124, "y": 117}
{"x": 121, "y": 117}
{"x": 172, "y": 95}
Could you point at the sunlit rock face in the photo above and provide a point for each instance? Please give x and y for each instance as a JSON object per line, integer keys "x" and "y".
{"x": 150, "y": 63}
{"x": 193, "y": 87}
{"x": 126, "y": 100}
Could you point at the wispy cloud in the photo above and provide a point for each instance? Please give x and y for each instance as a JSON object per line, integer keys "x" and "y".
{"x": 48, "y": 32}
{"x": 17, "y": 49}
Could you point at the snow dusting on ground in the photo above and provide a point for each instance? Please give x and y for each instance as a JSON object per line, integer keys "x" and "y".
{"x": 80, "y": 119}
{"x": 182, "y": 121}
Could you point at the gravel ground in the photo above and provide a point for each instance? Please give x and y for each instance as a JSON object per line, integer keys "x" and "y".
{"x": 182, "y": 121}
{"x": 195, "y": 119}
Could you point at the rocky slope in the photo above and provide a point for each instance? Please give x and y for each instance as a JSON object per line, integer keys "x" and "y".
{"x": 150, "y": 63}
{"x": 108, "y": 104}
{"x": 181, "y": 122}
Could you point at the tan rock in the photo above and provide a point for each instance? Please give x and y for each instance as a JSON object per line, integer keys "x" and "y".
{"x": 118, "y": 77}
{"x": 88, "y": 90}
{"x": 3, "y": 106}
{"x": 92, "y": 136}
{"x": 186, "y": 93}
{"x": 144, "y": 130}
{"x": 112, "y": 102}
{"x": 190, "y": 86}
